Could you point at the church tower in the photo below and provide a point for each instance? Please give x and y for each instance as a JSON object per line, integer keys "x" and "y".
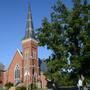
{"x": 30, "y": 51}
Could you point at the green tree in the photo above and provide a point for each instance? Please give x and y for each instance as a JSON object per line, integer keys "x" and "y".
{"x": 67, "y": 35}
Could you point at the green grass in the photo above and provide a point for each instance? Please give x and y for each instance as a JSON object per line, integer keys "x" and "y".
{"x": 2, "y": 88}
{"x": 41, "y": 89}
{"x": 36, "y": 89}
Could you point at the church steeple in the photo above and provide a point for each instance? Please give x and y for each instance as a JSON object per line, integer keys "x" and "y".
{"x": 29, "y": 33}
{"x": 30, "y": 51}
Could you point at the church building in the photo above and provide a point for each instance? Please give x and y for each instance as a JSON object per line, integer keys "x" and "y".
{"x": 24, "y": 67}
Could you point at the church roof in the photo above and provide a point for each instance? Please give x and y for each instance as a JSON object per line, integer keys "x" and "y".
{"x": 29, "y": 33}
{"x": 16, "y": 53}
{"x": 20, "y": 52}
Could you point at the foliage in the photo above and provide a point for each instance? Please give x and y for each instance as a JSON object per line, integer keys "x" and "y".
{"x": 0, "y": 73}
{"x": 67, "y": 35}
{"x": 1, "y": 66}
{"x": 8, "y": 85}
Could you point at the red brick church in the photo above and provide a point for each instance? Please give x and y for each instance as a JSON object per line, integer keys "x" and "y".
{"x": 24, "y": 67}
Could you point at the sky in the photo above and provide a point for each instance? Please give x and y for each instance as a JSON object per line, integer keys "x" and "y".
{"x": 13, "y": 15}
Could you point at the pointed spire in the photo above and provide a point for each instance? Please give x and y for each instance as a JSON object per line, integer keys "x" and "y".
{"x": 29, "y": 33}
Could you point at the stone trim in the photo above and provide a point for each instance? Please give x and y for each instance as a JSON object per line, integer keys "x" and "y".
{"x": 29, "y": 39}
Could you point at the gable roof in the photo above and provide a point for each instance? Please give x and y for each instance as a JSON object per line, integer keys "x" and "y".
{"x": 17, "y": 51}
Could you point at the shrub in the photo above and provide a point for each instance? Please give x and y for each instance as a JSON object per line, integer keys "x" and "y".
{"x": 8, "y": 85}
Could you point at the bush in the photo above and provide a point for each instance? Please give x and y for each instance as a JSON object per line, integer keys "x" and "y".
{"x": 8, "y": 85}
{"x": 20, "y": 88}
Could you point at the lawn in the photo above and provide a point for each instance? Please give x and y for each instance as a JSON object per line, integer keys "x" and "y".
{"x": 41, "y": 89}
{"x": 36, "y": 89}
{"x": 2, "y": 88}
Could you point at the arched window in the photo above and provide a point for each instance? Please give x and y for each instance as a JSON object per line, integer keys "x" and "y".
{"x": 34, "y": 55}
{"x": 27, "y": 54}
{"x": 17, "y": 72}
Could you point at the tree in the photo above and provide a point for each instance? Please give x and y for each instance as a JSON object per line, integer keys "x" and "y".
{"x": 68, "y": 36}
{"x": 1, "y": 66}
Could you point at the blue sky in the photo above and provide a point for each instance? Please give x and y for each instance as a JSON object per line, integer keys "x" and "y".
{"x": 13, "y": 15}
